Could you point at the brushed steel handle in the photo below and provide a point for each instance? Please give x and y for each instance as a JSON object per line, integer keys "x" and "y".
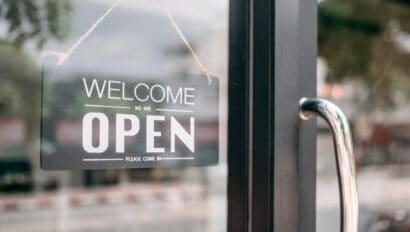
{"x": 342, "y": 140}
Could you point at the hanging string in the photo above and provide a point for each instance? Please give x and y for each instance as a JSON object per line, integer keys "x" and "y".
{"x": 64, "y": 56}
{"x": 87, "y": 33}
{"x": 187, "y": 44}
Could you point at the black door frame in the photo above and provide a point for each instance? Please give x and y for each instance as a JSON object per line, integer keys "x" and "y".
{"x": 271, "y": 156}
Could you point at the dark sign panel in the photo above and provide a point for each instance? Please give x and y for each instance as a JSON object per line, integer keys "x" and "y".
{"x": 92, "y": 121}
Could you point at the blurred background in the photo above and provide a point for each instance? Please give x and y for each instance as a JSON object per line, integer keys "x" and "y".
{"x": 363, "y": 66}
{"x": 363, "y": 57}
{"x": 136, "y": 41}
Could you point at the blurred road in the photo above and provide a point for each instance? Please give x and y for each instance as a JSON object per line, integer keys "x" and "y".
{"x": 381, "y": 189}
{"x": 166, "y": 209}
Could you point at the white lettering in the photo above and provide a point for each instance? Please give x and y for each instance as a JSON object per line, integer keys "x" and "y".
{"x": 112, "y": 89}
{"x": 174, "y": 99}
{"x": 189, "y": 96}
{"x": 151, "y": 134}
{"x": 121, "y": 132}
{"x": 136, "y": 91}
{"x": 178, "y": 130}
{"x": 162, "y": 91}
{"x": 94, "y": 84}
{"x": 88, "y": 136}
{"x": 123, "y": 93}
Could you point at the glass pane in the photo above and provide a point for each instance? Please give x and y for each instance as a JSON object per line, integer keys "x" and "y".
{"x": 363, "y": 67}
{"x": 146, "y": 41}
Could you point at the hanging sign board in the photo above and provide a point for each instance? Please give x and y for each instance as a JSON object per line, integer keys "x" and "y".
{"x": 122, "y": 97}
{"x": 96, "y": 122}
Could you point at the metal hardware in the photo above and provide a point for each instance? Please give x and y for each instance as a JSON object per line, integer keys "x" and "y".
{"x": 346, "y": 169}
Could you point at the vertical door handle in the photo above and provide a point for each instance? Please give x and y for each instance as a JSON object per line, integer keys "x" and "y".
{"x": 342, "y": 140}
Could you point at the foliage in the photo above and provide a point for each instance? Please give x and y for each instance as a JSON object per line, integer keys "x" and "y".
{"x": 39, "y": 20}
{"x": 20, "y": 83}
{"x": 358, "y": 40}
{"x": 20, "y": 78}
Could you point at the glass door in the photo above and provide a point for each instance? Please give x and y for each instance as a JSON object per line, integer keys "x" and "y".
{"x": 362, "y": 65}
{"x": 68, "y": 63}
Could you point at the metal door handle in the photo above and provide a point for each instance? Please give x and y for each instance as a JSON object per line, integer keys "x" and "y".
{"x": 342, "y": 140}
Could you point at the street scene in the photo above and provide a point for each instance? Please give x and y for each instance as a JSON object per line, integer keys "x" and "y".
{"x": 114, "y": 114}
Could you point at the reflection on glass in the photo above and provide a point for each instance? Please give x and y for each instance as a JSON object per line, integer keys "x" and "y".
{"x": 363, "y": 68}
{"x": 119, "y": 40}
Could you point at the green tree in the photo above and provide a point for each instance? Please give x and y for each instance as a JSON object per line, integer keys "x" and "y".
{"x": 38, "y": 20}
{"x": 27, "y": 20}
{"x": 357, "y": 40}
